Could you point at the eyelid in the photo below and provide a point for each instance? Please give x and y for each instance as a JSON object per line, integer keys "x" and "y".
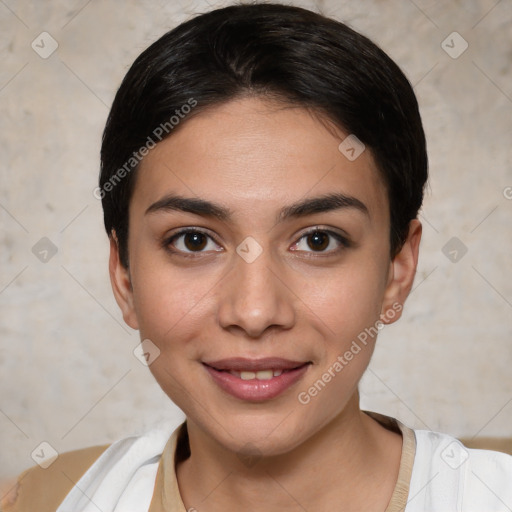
{"x": 342, "y": 239}
{"x": 167, "y": 241}
{"x": 326, "y": 229}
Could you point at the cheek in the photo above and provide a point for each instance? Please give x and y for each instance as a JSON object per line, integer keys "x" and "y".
{"x": 349, "y": 306}
{"x": 171, "y": 312}
{"x": 169, "y": 302}
{"x": 347, "y": 301}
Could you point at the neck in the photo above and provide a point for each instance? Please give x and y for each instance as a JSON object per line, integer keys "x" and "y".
{"x": 352, "y": 461}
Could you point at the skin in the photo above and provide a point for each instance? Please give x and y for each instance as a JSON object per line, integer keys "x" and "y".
{"x": 294, "y": 301}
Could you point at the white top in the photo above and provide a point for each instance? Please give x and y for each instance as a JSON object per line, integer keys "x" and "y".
{"x": 445, "y": 476}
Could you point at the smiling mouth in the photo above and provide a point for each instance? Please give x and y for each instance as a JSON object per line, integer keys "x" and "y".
{"x": 258, "y": 375}
{"x": 256, "y": 379}
{"x": 262, "y": 369}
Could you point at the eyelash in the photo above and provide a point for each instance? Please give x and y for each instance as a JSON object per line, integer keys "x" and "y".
{"x": 343, "y": 241}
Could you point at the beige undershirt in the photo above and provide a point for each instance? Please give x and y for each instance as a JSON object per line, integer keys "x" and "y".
{"x": 166, "y": 494}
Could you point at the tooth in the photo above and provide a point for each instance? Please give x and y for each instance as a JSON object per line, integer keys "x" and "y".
{"x": 247, "y": 375}
{"x": 264, "y": 374}
{"x": 277, "y": 373}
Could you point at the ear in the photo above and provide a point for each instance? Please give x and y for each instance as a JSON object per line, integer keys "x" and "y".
{"x": 121, "y": 284}
{"x": 401, "y": 275}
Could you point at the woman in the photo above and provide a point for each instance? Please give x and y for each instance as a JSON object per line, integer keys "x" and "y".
{"x": 262, "y": 171}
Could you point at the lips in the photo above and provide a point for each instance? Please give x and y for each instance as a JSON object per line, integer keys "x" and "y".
{"x": 255, "y": 379}
{"x": 254, "y": 365}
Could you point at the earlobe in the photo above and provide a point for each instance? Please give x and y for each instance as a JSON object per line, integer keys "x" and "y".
{"x": 121, "y": 284}
{"x": 401, "y": 275}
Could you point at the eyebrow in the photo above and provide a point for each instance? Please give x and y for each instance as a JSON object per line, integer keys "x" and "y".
{"x": 302, "y": 208}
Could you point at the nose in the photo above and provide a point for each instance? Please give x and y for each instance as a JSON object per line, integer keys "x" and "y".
{"x": 255, "y": 297}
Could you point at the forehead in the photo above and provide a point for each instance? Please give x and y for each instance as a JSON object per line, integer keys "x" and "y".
{"x": 257, "y": 156}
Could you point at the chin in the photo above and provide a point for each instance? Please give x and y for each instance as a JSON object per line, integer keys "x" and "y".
{"x": 261, "y": 435}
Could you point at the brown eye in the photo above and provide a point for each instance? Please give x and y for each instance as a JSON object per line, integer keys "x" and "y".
{"x": 194, "y": 241}
{"x": 190, "y": 241}
{"x": 321, "y": 241}
{"x": 318, "y": 240}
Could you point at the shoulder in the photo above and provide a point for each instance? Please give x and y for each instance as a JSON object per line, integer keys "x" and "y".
{"x": 446, "y": 472}
{"x": 44, "y": 489}
{"x": 105, "y": 470}
{"x": 124, "y": 473}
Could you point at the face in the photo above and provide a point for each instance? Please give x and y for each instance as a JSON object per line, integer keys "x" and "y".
{"x": 258, "y": 261}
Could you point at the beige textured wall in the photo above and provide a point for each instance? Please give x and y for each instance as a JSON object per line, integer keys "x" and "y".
{"x": 67, "y": 373}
